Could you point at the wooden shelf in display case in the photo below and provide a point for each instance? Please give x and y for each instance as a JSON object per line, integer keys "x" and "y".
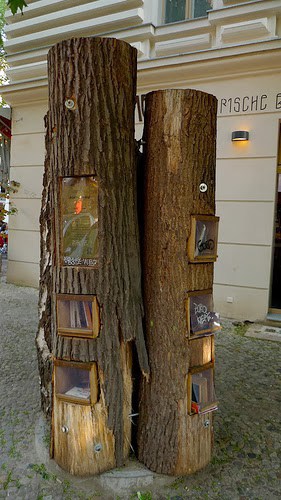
{"x": 201, "y": 320}
{"x": 203, "y": 241}
{"x": 76, "y": 382}
{"x": 78, "y": 316}
{"x": 201, "y": 397}
{"x": 79, "y": 221}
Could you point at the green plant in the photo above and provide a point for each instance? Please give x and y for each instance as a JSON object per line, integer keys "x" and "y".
{"x": 9, "y": 480}
{"x": 42, "y": 471}
{"x": 240, "y": 328}
{"x": 144, "y": 496}
{"x": 2, "y": 438}
{"x": 47, "y": 439}
{"x": 176, "y": 483}
{"x": 16, "y": 5}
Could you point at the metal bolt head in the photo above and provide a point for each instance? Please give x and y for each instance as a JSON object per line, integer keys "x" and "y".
{"x": 203, "y": 187}
{"x": 65, "y": 429}
{"x": 206, "y": 424}
{"x": 69, "y": 104}
{"x": 98, "y": 447}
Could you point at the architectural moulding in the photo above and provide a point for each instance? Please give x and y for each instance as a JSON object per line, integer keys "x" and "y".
{"x": 183, "y": 45}
{"x": 69, "y": 15}
{"x": 248, "y": 30}
{"x": 177, "y": 71}
{"x": 248, "y": 10}
{"x": 83, "y": 28}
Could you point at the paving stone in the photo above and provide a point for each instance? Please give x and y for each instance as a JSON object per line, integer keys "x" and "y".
{"x": 247, "y": 449}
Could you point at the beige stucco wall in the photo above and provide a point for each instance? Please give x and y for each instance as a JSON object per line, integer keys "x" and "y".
{"x": 233, "y": 52}
{"x": 245, "y": 195}
{"x": 27, "y": 158}
{"x": 246, "y": 186}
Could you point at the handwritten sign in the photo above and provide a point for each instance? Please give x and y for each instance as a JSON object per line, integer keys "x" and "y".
{"x": 79, "y": 221}
{"x": 201, "y": 319}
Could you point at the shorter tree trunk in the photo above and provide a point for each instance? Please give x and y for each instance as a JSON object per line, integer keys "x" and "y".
{"x": 179, "y": 135}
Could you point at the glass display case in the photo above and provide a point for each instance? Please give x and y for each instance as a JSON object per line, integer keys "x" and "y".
{"x": 79, "y": 221}
{"x": 203, "y": 240}
{"x": 201, "y": 391}
{"x": 78, "y": 315}
{"x": 201, "y": 319}
{"x": 202, "y": 351}
{"x": 76, "y": 382}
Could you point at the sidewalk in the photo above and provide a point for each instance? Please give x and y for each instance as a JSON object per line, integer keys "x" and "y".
{"x": 247, "y": 453}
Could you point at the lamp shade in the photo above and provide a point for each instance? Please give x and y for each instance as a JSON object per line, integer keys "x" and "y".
{"x": 240, "y": 135}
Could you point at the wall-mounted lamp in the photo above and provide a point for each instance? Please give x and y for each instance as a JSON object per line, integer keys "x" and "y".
{"x": 240, "y": 135}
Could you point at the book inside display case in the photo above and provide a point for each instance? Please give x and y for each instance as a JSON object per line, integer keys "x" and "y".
{"x": 201, "y": 391}
{"x": 76, "y": 382}
{"x": 78, "y": 315}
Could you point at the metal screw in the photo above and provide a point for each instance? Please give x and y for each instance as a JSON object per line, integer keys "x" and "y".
{"x": 98, "y": 447}
{"x": 206, "y": 424}
{"x": 69, "y": 104}
{"x": 65, "y": 429}
{"x": 203, "y": 187}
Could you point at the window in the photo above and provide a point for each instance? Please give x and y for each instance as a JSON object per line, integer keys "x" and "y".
{"x": 76, "y": 382}
{"x": 201, "y": 396}
{"x": 78, "y": 316}
{"x": 203, "y": 239}
{"x": 177, "y": 10}
{"x": 201, "y": 320}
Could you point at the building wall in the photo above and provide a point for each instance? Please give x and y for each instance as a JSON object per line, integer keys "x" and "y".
{"x": 245, "y": 192}
{"x": 27, "y": 158}
{"x": 233, "y": 53}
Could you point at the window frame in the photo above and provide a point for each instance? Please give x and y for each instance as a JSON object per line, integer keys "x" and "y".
{"x": 189, "y": 10}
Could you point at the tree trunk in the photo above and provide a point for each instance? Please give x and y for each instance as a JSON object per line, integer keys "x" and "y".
{"x": 90, "y": 132}
{"x": 179, "y": 155}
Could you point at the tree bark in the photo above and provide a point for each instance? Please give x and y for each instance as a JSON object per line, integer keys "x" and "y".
{"x": 44, "y": 341}
{"x": 179, "y": 155}
{"x": 96, "y": 138}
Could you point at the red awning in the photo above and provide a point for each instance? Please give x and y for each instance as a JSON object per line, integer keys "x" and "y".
{"x": 5, "y": 127}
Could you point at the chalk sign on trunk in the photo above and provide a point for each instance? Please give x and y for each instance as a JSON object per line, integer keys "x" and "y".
{"x": 201, "y": 320}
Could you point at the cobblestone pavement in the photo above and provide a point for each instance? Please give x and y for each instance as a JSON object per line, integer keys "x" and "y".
{"x": 246, "y": 461}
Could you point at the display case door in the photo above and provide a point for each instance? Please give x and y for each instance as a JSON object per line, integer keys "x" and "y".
{"x": 79, "y": 439}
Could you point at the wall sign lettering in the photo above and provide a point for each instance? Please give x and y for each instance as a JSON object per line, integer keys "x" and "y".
{"x": 236, "y": 104}
{"x": 250, "y": 103}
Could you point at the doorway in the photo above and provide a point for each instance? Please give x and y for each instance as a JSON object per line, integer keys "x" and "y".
{"x": 275, "y": 306}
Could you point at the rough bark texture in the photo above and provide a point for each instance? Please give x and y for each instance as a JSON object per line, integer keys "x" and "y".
{"x": 96, "y": 138}
{"x": 44, "y": 336}
{"x": 180, "y": 152}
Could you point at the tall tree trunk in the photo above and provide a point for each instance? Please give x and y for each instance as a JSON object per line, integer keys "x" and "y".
{"x": 91, "y": 133}
{"x": 179, "y": 155}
